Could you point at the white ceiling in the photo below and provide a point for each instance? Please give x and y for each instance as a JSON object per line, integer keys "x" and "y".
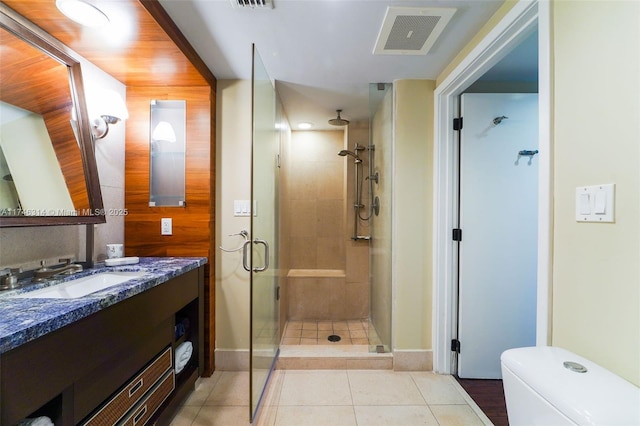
{"x": 319, "y": 51}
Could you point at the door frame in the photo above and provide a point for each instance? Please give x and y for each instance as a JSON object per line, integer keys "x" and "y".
{"x": 516, "y": 25}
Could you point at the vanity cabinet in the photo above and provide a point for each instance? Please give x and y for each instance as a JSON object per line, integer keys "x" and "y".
{"x": 73, "y": 374}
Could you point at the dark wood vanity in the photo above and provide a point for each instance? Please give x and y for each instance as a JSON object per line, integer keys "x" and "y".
{"x": 115, "y": 365}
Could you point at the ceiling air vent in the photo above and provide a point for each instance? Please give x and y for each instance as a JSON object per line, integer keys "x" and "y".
{"x": 411, "y": 30}
{"x": 252, "y": 4}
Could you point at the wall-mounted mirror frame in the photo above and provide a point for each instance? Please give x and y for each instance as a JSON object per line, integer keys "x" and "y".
{"x": 36, "y": 37}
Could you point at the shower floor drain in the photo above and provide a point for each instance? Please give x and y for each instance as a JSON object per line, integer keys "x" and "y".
{"x": 334, "y": 338}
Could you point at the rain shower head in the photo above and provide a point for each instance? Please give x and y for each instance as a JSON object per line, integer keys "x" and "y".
{"x": 338, "y": 121}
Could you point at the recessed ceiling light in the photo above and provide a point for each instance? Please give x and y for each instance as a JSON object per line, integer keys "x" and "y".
{"x": 305, "y": 126}
{"x": 82, "y": 12}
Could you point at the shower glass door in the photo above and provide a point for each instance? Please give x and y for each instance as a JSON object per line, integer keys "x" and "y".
{"x": 263, "y": 261}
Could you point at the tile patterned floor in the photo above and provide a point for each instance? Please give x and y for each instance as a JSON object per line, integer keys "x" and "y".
{"x": 309, "y": 332}
{"x": 333, "y": 397}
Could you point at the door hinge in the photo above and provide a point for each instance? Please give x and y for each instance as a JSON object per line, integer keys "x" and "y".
{"x": 455, "y": 345}
{"x": 457, "y": 123}
{"x": 457, "y": 234}
{"x": 278, "y": 293}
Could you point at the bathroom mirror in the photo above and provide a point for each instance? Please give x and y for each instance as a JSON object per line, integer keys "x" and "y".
{"x": 47, "y": 163}
{"x": 168, "y": 149}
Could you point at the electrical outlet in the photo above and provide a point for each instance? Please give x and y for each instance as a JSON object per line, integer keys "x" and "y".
{"x": 166, "y": 226}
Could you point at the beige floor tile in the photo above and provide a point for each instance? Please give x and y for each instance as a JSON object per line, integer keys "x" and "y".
{"x": 267, "y": 413}
{"x": 383, "y": 388}
{"x": 340, "y": 325}
{"x": 185, "y": 416}
{"x": 325, "y": 325}
{"x": 455, "y": 415}
{"x": 203, "y": 390}
{"x": 308, "y": 341}
{"x": 315, "y": 388}
{"x": 293, "y": 332}
{"x": 358, "y": 334}
{"x": 309, "y": 325}
{"x": 394, "y": 415}
{"x": 437, "y": 389}
{"x": 291, "y": 341}
{"x": 358, "y": 341}
{"x": 355, "y": 325}
{"x": 309, "y": 334}
{"x": 223, "y": 416}
{"x": 231, "y": 389}
{"x": 294, "y": 325}
{"x": 315, "y": 416}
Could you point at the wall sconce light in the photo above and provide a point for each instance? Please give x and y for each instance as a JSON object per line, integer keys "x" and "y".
{"x": 109, "y": 110}
{"x": 164, "y": 132}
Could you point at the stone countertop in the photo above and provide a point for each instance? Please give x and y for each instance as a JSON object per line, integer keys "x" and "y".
{"x": 23, "y": 320}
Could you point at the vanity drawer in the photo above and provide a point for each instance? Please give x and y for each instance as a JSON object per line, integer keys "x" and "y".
{"x": 145, "y": 408}
{"x": 126, "y": 398}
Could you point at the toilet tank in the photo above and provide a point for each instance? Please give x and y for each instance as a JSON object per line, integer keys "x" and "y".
{"x": 547, "y": 385}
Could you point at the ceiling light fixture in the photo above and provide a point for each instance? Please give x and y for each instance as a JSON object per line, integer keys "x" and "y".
{"x": 82, "y": 12}
{"x": 305, "y": 126}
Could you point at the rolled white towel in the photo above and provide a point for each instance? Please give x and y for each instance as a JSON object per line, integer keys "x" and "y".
{"x": 183, "y": 355}
{"x": 36, "y": 421}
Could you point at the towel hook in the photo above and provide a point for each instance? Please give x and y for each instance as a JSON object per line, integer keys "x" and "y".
{"x": 243, "y": 234}
{"x": 498, "y": 120}
{"x": 526, "y": 153}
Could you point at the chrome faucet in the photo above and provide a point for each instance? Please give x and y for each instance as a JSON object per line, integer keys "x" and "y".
{"x": 44, "y": 273}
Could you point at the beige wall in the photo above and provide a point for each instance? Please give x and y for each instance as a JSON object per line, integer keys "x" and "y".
{"x": 26, "y": 247}
{"x": 596, "y": 138}
{"x": 412, "y": 213}
{"x": 233, "y": 168}
{"x": 595, "y": 80}
{"x": 316, "y": 198}
{"x": 319, "y": 195}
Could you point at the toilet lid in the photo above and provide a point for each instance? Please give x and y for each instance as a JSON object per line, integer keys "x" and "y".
{"x": 592, "y": 397}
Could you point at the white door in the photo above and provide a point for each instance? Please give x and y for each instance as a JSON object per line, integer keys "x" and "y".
{"x": 498, "y": 218}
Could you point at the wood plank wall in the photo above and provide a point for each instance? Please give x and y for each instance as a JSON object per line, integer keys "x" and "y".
{"x": 193, "y": 225}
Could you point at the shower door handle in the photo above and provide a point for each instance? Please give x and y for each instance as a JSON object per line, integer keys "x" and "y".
{"x": 245, "y": 265}
{"x": 266, "y": 255}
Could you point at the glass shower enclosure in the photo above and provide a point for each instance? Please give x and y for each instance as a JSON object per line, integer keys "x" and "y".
{"x": 263, "y": 259}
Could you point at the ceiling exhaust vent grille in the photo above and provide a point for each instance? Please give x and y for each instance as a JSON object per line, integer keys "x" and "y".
{"x": 252, "y": 4}
{"x": 411, "y": 30}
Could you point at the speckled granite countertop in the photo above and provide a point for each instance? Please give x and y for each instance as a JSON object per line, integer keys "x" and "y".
{"x": 23, "y": 320}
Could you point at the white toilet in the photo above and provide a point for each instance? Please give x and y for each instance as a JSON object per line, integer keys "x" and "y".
{"x": 551, "y": 386}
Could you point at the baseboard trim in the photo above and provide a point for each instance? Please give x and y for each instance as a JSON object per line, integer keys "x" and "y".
{"x": 232, "y": 359}
{"x": 413, "y": 360}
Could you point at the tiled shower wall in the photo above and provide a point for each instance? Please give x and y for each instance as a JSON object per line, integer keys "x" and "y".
{"x": 328, "y": 276}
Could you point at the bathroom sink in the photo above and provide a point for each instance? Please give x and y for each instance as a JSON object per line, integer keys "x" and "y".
{"x": 81, "y": 286}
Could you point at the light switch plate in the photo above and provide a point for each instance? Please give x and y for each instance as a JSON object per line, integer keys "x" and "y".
{"x": 595, "y": 203}
{"x": 166, "y": 226}
{"x": 243, "y": 208}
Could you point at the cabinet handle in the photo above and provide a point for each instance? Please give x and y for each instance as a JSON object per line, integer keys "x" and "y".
{"x": 140, "y": 415}
{"x": 135, "y": 387}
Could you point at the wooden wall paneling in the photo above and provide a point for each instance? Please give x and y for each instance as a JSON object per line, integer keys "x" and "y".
{"x": 193, "y": 224}
{"x": 144, "y": 49}
{"x": 128, "y": 48}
